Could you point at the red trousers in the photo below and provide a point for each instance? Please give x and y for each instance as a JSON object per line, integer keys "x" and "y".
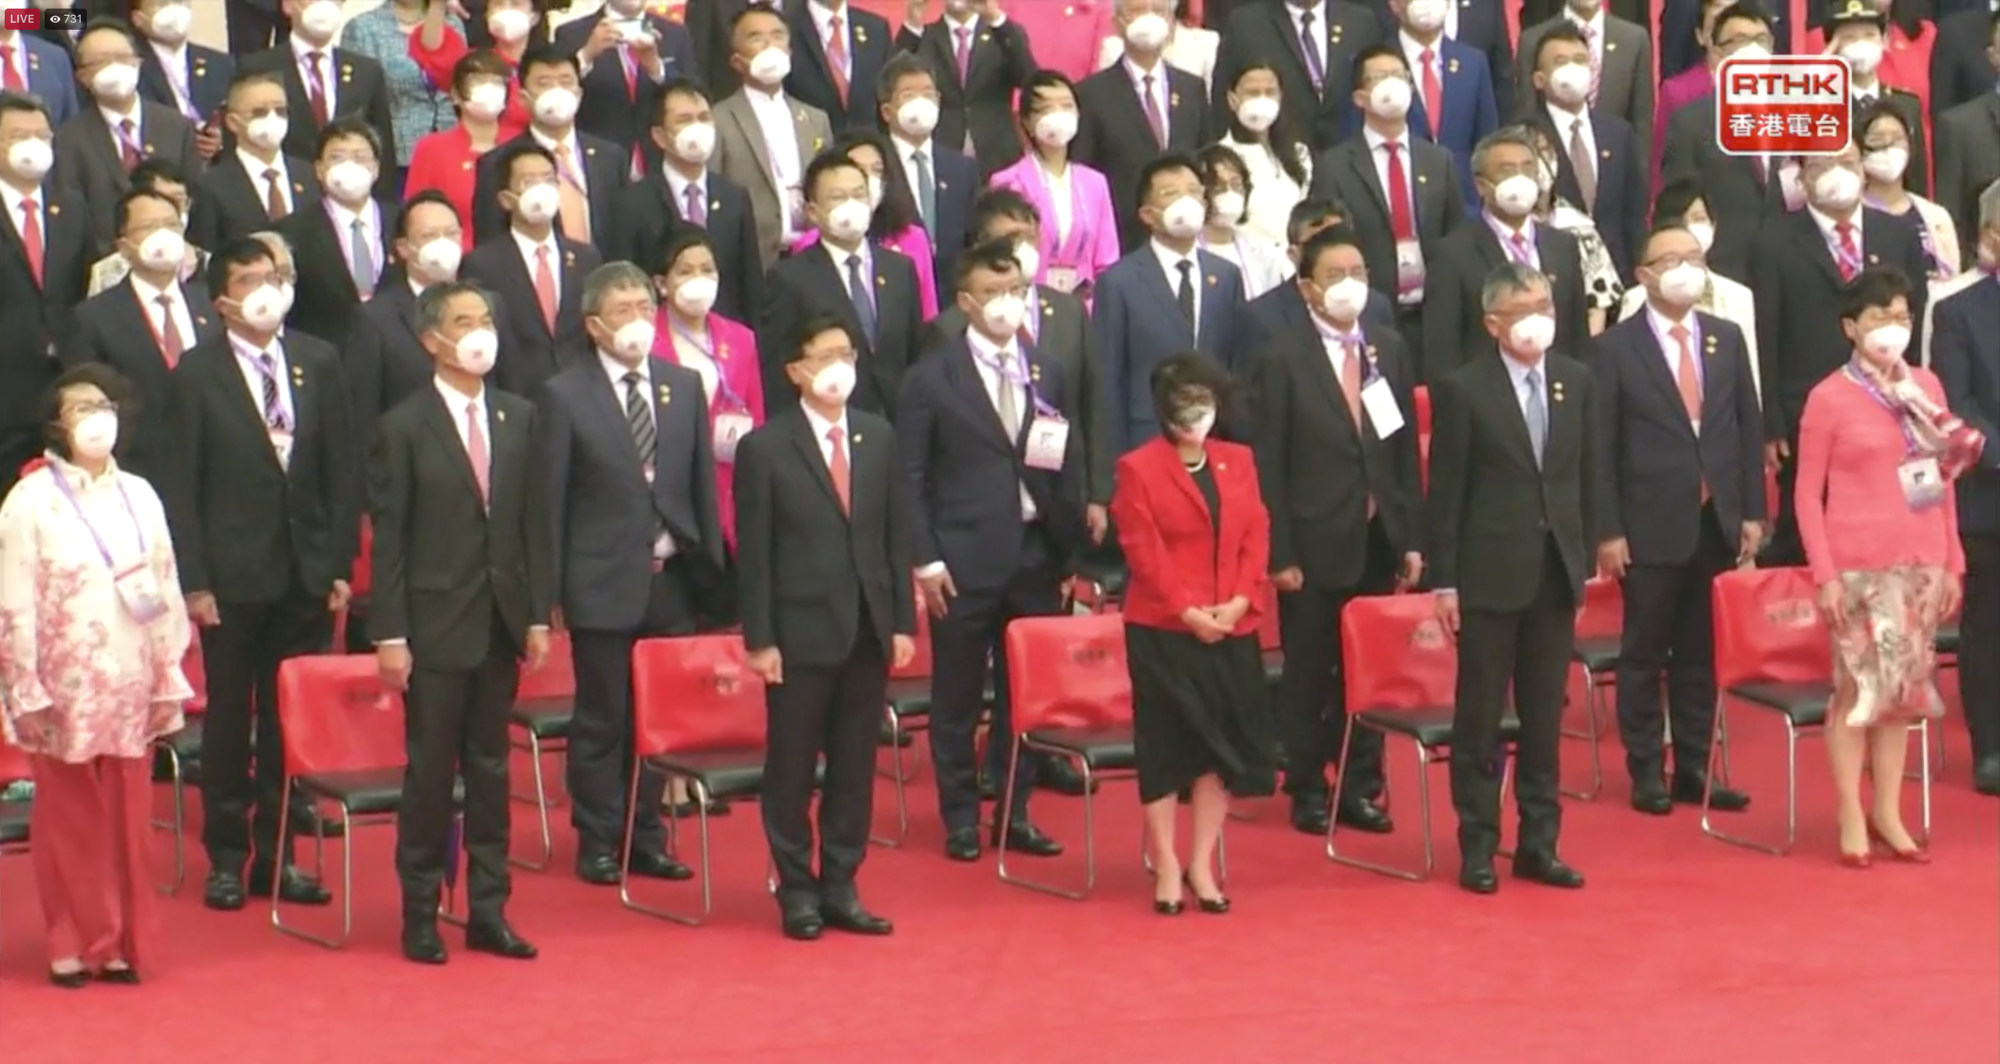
{"x": 91, "y": 844}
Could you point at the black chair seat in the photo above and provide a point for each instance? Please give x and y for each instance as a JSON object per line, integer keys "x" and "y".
{"x": 1101, "y": 748}
{"x": 1804, "y": 704}
{"x": 544, "y": 718}
{"x": 910, "y": 696}
{"x": 1947, "y": 640}
{"x": 369, "y": 792}
{"x": 186, "y": 746}
{"x": 1430, "y": 725}
{"x": 13, "y": 823}
{"x": 726, "y": 773}
{"x": 1599, "y": 654}
{"x": 1274, "y": 665}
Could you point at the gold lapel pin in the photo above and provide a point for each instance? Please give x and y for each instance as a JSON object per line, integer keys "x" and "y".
{"x": 1451, "y": 67}
{"x": 34, "y": 61}
{"x": 569, "y": 258}
{"x": 201, "y": 319}
{"x": 818, "y": 144}
{"x": 1423, "y": 180}
{"x": 985, "y": 37}
{"x": 589, "y": 150}
{"x": 1223, "y": 466}
{"x": 1173, "y": 99}
{"x": 346, "y": 75}
{"x": 861, "y": 34}
{"x": 721, "y": 351}
{"x": 881, "y": 281}
{"x": 857, "y": 437}
{"x": 146, "y": 149}
{"x": 55, "y": 209}
{"x": 1034, "y": 373}
{"x": 1873, "y": 258}
{"x": 298, "y": 188}
{"x": 499, "y": 415}
{"x": 666, "y": 395}
{"x": 1604, "y": 153}
{"x": 1212, "y": 282}
{"x": 715, "y": 205}
{"x": 200, "y": 67}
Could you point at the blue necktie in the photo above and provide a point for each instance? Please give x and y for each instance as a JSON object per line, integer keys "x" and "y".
{"x": 1538, "y": 416}
{"x": 864, "y": 300}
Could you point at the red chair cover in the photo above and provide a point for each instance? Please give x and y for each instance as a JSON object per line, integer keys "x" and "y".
{"x": 1424, "y": 461}
{"x": 1603, "y": 612}
{"x": 13, "y": 763}
{"x": 1768, "y": 628}
{"x": 364, "y": 566}
{"x": 1068, "y": 672}
{"x": 337, "y": 716}
{"x": 557, "y": 676}
{"x": 691, "y": 694}
{"x": 1397, "y": 654}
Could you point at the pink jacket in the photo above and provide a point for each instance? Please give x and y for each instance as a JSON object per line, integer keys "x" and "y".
{"x": 1092, "y": 245}
{"x": 740, "y": 389}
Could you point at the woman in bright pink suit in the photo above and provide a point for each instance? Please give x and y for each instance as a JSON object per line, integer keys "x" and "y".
{"x": 894, "y": 223}
{"x": 722, "y": 352}
{"x": 1079, "y": 227}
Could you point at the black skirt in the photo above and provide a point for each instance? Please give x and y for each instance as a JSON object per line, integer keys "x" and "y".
{"x": 1198, "y": 709}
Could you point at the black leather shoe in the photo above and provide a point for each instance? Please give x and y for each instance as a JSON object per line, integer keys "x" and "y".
{"x": 294, "y": 887}
{"x": 497, "y": 938}
{"x": 123, "y": 975}
{"x": 1060, "y": 775}
{"x": 654, "y": 865}
{"x": 1028, "y": 839}
{"x": 1309, "y": 814}
{"x": 1215, "y": 906}
{"x": 989, "y": 788}
{"x": 1363, "y": 815}
{"x": 1548, "y": 870}
{"x": 223, "y": 892}
{"x": 854, "y": 919}
{"x": 1478, "y": 877}
{"x": 1687, "y": 791}
{"x": 75, "y": 980}
{"x": 421, "y": 943}
{"x": 1649, "y": 796}
{"x": 601, "y": 869}
{"x": 962, "y": 844}
{"x": 1986, "y": 776}
{"x": 802, "y": 925}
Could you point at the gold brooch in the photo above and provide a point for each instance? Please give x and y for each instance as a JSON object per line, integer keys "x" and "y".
{"x": 861, "y": 34}
{"x": 569, "y": 258}
{"x": 1451, "y": 67}
{"x": 1173, "y": 99}
{"x": 857, "y": 437}
{"x": 499, "y": 415}
{"x": 55, "y": 209}
{"x": 299, "y": 188}
{"x": 1610, "y": 46}
{"x": 1212, "y": 281}
{"x": 666, "y": 395}
{"x": 346, "y": 73}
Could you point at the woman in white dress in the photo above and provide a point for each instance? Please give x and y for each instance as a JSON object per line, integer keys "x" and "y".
{"x": 1227, "y": 182}
{"x": 1276, "y": 162}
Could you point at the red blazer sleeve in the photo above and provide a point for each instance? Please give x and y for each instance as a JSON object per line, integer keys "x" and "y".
{"x": 1147, "y": 557}
{"x": 438, "y": 63}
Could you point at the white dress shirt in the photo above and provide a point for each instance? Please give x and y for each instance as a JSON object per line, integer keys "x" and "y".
{"x": 531, "y": 255}
{"x": 455, "y": 403}
{"x": 781, "y": 145}
{"x": 1161, "y": 98}
{"x": 175, "y": 320}
{"x": 1829, "y": 231}
{"x": 1565, "y": 122}
{"x": 173, "y": 60}
{"x": 1505, "y": 235}
{"x": 985, "y": 353}
{"x": 569, "y": 158}
{"x": 1170, "y": 261}
{"x": 247, "y": 363}
{"x": 329, "y": 78}
{"x": 1518, "y": 374}
{"x": 678, "y": 186}
{"x": 822, "y": 17}
{"x": 370, "y": 218}
{"x": 115, "y": 122}
{"x": 819, "y": 427}
{"x": 906, "y": 151}
{"x": 1377, "y": 151}
{"x": 1336, "y": 344}
{"x": 17, "y": 213}
{"x": 866, "y": 253}
{"x": 1061, "y": 203}
{"x": 1413, "y": 53}
{"x": 256, "y": 167}
{"x": 1664, "y": 326}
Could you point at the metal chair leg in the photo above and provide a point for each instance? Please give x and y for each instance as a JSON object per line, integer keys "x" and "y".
{"x": 319, "y": 862}
{"x": 897, "y": 775}
{"x": 1718, "y": 756}
{"x": 1423, "y": 804}
{"x": 541, "y": 800}
{"x": 1023, "y": 744}
{"x": 178, "y": 825}
{"x": 1589, "y": 733}
{"x": 700, "y": 795}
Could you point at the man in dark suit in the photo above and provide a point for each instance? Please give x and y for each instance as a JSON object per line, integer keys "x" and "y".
{"x": 591, "y": 170}
{"x": 1620, "y": 57}
{"x": 1968, "y": 151}
{"x": 837, "y": 54}
{"x": 868, "y": 286}
{"x": 143, "y": 325}
{"x": 1314, "y": 44}
{"x": 996, "y": 483}
{"x": 638, "y": 540}
{"x": 1283, "y": 309}
{"x": 264, "y": 502}
{"x": 384, "y": 359}
{"x": 1164, "y": 299}
{"x": 1336, "y": 445}
{"x": 190, "y": 78}
{"x": 1858, "y": 32}
{"x": 97, "y": 149}
{"x": 1403, "y": 193}
{"x": 1505, "y": 231}
{"x": 1742, "y": 192}
{"x": 1600, "y": 165}
{"x": 44, "y": 257}
{"x": 1512, "y": 483}
{"x": 823, "y": 576}
{"x": 943, "y": 182}
{"x": 1135, "y": 111}
{"x": 1964, "y": 57}
{"x": 40, "y": 67}
{"x": 536, "y": 272}
{"x": 1452, "y": 100}
{"x": 323, "y": 81}
{"x": 256, "y": 183}
{"x": 627, "y": 54}
{"x": 980, "y": 60}
{"x": 708, "y": 23}
{"x": 683, "y": 191}
{"x": 345, "y": 252}
{"x": 462, "y": 596}
{"x": 1799, "y": 264}
{"x": 1680, "y": 500}
{"x": 1479, "y": 26}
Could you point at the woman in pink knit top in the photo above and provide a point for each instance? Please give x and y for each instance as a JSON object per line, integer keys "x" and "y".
{"x": 1878, "y": 450}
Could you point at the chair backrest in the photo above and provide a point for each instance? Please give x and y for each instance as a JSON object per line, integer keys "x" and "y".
{"x": 1396, "y": 654}
{"x": 337, "y": 716}
{"x": 557, "y": 676}
{"x": 691, "y": 694}
{"x": 1068, "y": 672}
{"x": 1603, "y": 612}
{"x": 1768, "y": 628}
{"x": 364, "y": 565}
{"x": 920, "y": 663}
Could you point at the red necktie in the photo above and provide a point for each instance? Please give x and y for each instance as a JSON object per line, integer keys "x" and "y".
{"x": 545, "y": 287}
{"x": 170, "y": 334}
{"x": 316, "y": 88}
{"x": 836, "y": 467}
{"x": 1850, "y": 255}
{"x": 1690, "y": 386}
{"x": 963, "y": 53}
{"x": 1402, "y": 219}
{"x": 1433, "y": 91}
{"x": 836, "y": 58}
{"x": 10, "y": 75}
{"x": 31, "y": 237}
{"x": 631, "y": 73}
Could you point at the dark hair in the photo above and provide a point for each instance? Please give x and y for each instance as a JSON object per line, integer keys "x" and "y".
{"x": 670, "y": 88}
{"x": 1676, "y": 200}
{"x": 1213, "y": 159}
{"x": 115, "y": 386}
{"x": 1663, "y": 223}
{"x": 23, "y": 102}
{"x": 473, "y": 64}
{"x": 1333, "y": 236}
{"x": 1559, "y": 30}
{"x": 507, "y": 155}
{"x": 995, "y": 204}
{"x": 1166, "y": 164}
{"x": 242, "y": 251}
{"x": 993, "y": 256}
{"x": 431, "y": 302}
{"x": 684, "y": 239}
{"x": 1186, "y": 372}
{"x": 1878, "y": 110}
{"x": 429, "y": 195}
{"x": 1283, "y": 137}
{"x": 754, "y": 7}
{"x": 903, "y": 65}
{"x": 812, "y": 327}
{"x": 1904, "y": 15}
{"x": 1876, "y": 286}
{"x": 1748, "y": 12}
{"x": 1309, "y": 212}
{"x": 246, "y": 78}
{"x": 898, "y": 210}
{"x": 108, "y": 24}
{"x": 122, "y": 214}
{"x": 1031, "y": 91}
{"x": 351, "y": 127}
{"x": 834, "y": 158}
{"x": 1378, "y": 51}
{"x": 541, "y": 55}
{"x": 151, "y": 173}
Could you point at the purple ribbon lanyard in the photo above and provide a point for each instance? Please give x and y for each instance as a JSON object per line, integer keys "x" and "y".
{"x": 103, "y": 551}
{"x": 1910, "y": 445}
{"x": 1012, "y": 374}
{"x": 729, "y": 397}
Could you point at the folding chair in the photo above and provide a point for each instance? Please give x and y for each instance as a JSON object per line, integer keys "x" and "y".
{"x": 906, "y": 712}
{"x": 1947, "y": 658}
{"x": 539, "y": 724}
{"x": 1599, "y": 632}
{"x": 176, "y": 756}
{"x": 1773, "y": 652}
{"x": 1401, "y": 678}
{"x": 699, "y": 716}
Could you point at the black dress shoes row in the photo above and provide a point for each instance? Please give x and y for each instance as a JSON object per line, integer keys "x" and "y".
{"x": 228, "y": 892}
{"x": 1477, "y": 876}
{"x": 962, "y": 844}
{"x": 804, "y": 923}
{"x": 601, "y": 869}
{"x": 422, "y": 945}
{"x": 1311, "y": 813}
{"x": 1653, "y": 796}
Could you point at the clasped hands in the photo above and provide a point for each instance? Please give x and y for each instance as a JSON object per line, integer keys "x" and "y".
{"x": 1213, "y": 624}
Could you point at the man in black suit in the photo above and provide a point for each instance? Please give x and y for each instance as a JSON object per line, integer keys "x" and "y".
{"x": 1680, "y": 500}
{"x": 1283, "y": 309}
{"x": 637, "y": 541}
{"x": 143, "y": 325}
{"x": 980, "y": 59}
{"x": 683, "y": 191}
{"x": 1964, "y": 57}
{"x": 1743, "y": 192}
{"x": 1600, "y": 164}
{"x": 1336, "y": 445}
{"x": 1455, "y": 330}
{"x": 345, "y": 252}
{"x": 823, "y": 579}
{"x": 536, "y": 272}
{"x": 1137, "y": 110}
{"x": 190, "y": 78}
{"x": 1315, "y": 45}
{"x": 591, "y": 169}
{"x": 264, "y": 502}
{"x": 323, "y": 81}
{"x": 1799, "y": 265}
{"x": 627, "y": 55}
{"x": 837, "y": 56}
{"x": 1512, "y": 483}
{"x": 462, "y": 594}
{"x": 868, "y": 286}
{"x": 996, "y": 482}
{"x": 943, "y": 182}
{"x": 256, "y": 183}
{"x": 116, "y": 130}
{"x": 44, "y": 257}
{"x": 384, "y": 359}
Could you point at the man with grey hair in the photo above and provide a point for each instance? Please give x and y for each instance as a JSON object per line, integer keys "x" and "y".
{"x": 1511, "y": 503}
{"x": 638, "y": 549}
{"x": 1965, "y": 354}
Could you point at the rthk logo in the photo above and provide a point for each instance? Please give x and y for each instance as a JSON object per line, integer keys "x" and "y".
{"x": 1784, "y": 105}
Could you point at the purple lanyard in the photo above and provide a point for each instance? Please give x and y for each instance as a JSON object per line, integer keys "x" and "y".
{"x": 1867, "y": 383}
{"x": 1356, "y": 345}
{"x": 62, "y": 482}
{"x": 723, "y": 391}
{"x": 1011, "y": 373}
{"x": 177, "y": 77}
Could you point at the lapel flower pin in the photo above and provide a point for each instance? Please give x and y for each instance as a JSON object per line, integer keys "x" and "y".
{"x": 1212, "y": 281}
{"x": 298, "y": 188}
{"x": 861, "y": 34}
{"x": 55, "y": 209}
{"x": 1173, "y": 99}
{"x": 569, "y": 258}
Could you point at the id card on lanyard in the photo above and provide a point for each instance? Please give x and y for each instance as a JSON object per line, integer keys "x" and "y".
{"x": 1048, "y": 433}
{"x": 1920, "y": 477}
{"x": 729, "y": 419}
{"x": 138, "y": 589}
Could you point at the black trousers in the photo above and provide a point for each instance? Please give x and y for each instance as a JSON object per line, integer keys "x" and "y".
{"x": 963, "y": 643}
{"x": 1979, "y": 633}
{"x": 1669, "y": 630}
{"x": 832, "y": 712}
{"x": 242, "y": 746}
{"x": 1784, "y": 547}
{"x": 455, "y": 727}
{"x": 1312, "y": 694}
{"x": 599, "y": 768}
{"x": 19, "y": 444}
{"x": 1527, "y": 650}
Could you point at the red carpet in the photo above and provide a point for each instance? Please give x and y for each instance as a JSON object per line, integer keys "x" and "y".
{"x": 1681, "y": 948}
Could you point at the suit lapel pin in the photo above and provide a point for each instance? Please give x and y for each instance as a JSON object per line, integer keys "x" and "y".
{"x": 1610, "y": 46}
{"x": 1423, "y": 180}
{"x": 590, "y": 151}
{"x": 857, "y": 438}
{"x": 569, "y": 259}
{"x": 500, "y": 416}
{"x": 1212, "y": 281}
{"x": 34, "y": 61}
{"x": 55, "y": 209}
{"x": 1451, "y": 67}
{"x": 1035, "y": 372}
{"x": 1222, "y": 467}
{"x": 298, "y": 188}
{"x": 1173, "y": 99}
{"x": 666, "y": 395}
{"x": 200, "y": 67}
{"x": 985, "y": 37}
{"x": 881, "y": 281}
{"x": 145, "y": 149}
{"x": 818, "y": 145}
{"x": 346, "y": 73}
{"x": 1874, "y": 259}
{"x": 1556, "y": 391}
{"x": 942, "y": 185}
{"x": 201, "y": 319}
{"x": 1604, "y": 153}
{"x": 861, "y": 35}
{"x": 715, "y": 205}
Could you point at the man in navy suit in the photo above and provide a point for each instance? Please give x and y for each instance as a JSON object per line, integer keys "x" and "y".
{"x": 1283, "y": 308}
{"x": 187, "y": 77}
{"x": 996, "y": 474}
{"x": 1599, "y": 166}
{"x": 1453, "y": 106}
{"x": 1480, "y": 25}
{"x": 945, "y": 183}
{"x": 1680, "y": 500}
{"x": 1163, "y": 299}
{"x": 29, "y": 64}
{"x": 838, "y": 67}
{"x": 637, "y": 539}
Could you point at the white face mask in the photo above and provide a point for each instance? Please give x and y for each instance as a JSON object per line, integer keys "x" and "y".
{"x": 171, "y": 24}
{"x": 1704, "y": 234}
{"x": 1195, "y": 423}
{"x": 1030, "y": 258}
{"x": 1517, "y": 195}
{"x": 538, "y": 204}
{"x": 486, "y": 102}
{"x": 770, "y": 66}
{"x": 1228, "y": 208}
{"x": 440, "y": 258}
{"x": 93, "y": 436}
{"x": 917, "y": 117}
{"x": 267, "y": 132}
{"x": 695, "y": 142}
{"x": 320, "y": 20}
{"x": 1056, "y": 129}
{"x": 1887, "y": 165}
{"x": 1183, "y": 217}
{"x": 1885, "y": 344}
{"x": 31, "y": 158}
{"x": 1683, "y": 285}
{"x": 696, "y": 296}
{"x": 1003, "y": 315}
{"x": 265, "y": 308}
{"x": 1147, "y": 33}
{"x": 848, "y": 222}
{"x": 834, "y": 383}
{"x": 1752, "y": 52}
{"x": 1426, "y": 15}
{"x": 1863, "y": 56}
{"x": 1837, "y": 189}
{"x": 633, "y": 340}
{"x": 876, "y": 190}
{"x": 163, "y": 250}
{"x": 476, "y": 351}
{"x": 1344, "y": 300}
{"x": 349, "y": 182}
{"x": 115, "y": 83}
{"x": 509, "y": 25}
{"x": 556, "y": 107}
{"x": 1532, "y": 335}
{"x": 1569, "y": 84}
{"x": 1258, "y": 113}
{"x": 1390, "y": 99}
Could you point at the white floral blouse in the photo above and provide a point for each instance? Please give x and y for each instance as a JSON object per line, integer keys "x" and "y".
{"x": 68, "y": 646}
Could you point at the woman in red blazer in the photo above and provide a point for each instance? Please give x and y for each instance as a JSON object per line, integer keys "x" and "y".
{"x": 448, "y": 161}
{"x": 1197, "y": 540}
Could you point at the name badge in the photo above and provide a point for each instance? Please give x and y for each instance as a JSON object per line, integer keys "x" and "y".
{"x": 1923, "y": 483}
{"x": 281, "y": 443}
{"x": 1048, "y": 442}
{"x": 1409, "y": 271}
{"x": 140, "y": 592}
{"x": 729, "y": 429}
{"x": 1062, "y": 278}
{"x": 1379, "y": 403}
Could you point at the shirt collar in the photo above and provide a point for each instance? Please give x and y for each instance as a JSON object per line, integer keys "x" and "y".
{"x": 905, "y": 149}
{"x": 1138, "y": 76}
{"x": 679, "y": 185}
{"x": 1412, "y": 48}
{"x": 1375, "y": 140}
{"x": 566, "y": 144}
{"x": 255, "y": 167}
{"x": 1331, "y": 335}
{"x": 819, "y": 424}
{"x": 1664, "y": 325}
{"x": 952, "y": 25}
{"x": 822, "y": 14}
{"x": 1171, "y": 260}
{"x": 147, "y": 292}
{"x": 839, "y": 257}
{"x": 245, "y": 351}
{"x": 1505, "y": 232}
{"x": 301, "y": 49}
{"x": 528, "y": 247}
{"x": 1827, "y": 222}
{"x": 1563, "y": 120}
{"x": 617, "y": 371}
{"x": 134, "y": 115}
{"x": 1518, "y": 373}
{"x": 455, "y": 400}
{"x": 1592, "y": 27}
{"x": 986, "y": 350}
{"x": 344, "y": 218}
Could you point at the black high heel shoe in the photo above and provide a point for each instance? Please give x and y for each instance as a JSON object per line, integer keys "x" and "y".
{"x": 1215, "y": 906}
{"x": 123, "y": 975}
{"x": 75, "y": 980}
{"x": 1166, "y": 908}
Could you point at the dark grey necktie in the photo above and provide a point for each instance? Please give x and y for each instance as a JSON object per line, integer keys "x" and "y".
{"x": 639, "y": 417}
{"x": 864, "y": 300}
{"x": 926, "y": 193}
